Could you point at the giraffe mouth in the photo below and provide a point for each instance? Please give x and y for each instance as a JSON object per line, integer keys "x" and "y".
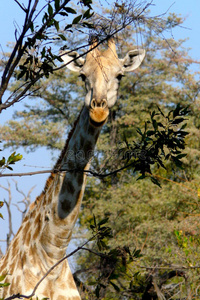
{"x": 98, "y": 116}
{"x": 97, "y": 124}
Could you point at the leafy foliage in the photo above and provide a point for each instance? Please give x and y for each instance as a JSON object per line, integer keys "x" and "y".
{"x": 162, "y": 140}
{"x": 113, "y": 262}
{"x": 11, "y": 160}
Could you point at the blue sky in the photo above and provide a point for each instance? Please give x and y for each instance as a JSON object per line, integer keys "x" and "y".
{"x": 11, "y": 15}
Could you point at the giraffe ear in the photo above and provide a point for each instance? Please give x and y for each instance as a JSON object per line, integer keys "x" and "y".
{"x": 72, "y": 60}
{"x": 133, "y": 59}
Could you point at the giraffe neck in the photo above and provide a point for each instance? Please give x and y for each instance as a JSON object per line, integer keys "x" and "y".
{"x": 46, "y": 229}
{"x": 62, "y": 199}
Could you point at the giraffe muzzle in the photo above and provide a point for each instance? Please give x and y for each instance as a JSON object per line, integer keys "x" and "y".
{"x": 98, "y": 112}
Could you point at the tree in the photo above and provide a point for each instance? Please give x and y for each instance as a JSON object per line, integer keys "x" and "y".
{"x": 30, "y": 57}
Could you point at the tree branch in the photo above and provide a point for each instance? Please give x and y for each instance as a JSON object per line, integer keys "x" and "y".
{"x": 24, "y": 9}
{"x": 95, "y": 174}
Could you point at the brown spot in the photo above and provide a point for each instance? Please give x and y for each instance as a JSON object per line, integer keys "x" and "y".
{"x": 36, "y": 233}
{"x": 32, "y": 205}
{"x": 70, "y": 187}
{"x": 23, "y": 259}
{"x": 26, "y": 218}
{"x": 37, "y": 225}
{"x": 56, "y": 191}
{"x": 32, "y": 214}
{"x": 27, "y": 237}
{"x": 80, "y": 178}
{"x": 15, "y": 247}
{"x": 25, "y": 229}
{"x": 82, "y": 140}
{"x": 4, "y": 265}
{"x": 66, "y": 206}
{"x": 31, "y": 251}
{"x": 12, "y": 267}
{"x": 70, "y": 164}
{"x": 88, "y": 147}
{"x": 91, "y": 130}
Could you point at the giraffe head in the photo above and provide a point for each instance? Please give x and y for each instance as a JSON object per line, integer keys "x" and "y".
{"x": 101, "y": 71}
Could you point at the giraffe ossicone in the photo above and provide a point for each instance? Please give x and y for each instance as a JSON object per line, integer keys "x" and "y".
{"x": 46, "y": 230}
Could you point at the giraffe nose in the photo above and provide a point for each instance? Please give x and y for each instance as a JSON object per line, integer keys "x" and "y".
{"x": 100, "y": 103}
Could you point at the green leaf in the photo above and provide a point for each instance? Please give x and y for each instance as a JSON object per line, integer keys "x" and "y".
{"x": 77, "y": 20}
{"x": 155, "y": 124}
{"x": 176, "y": 111}
{"x": 8, "y": 167}
{"x": 141, "y": 177}
{"x": 178, "y": 121}
{"x": 181, "y": 156}
{"x": 21, "y": 74}
{"x": 68, "y": 26}
{"x": 2, "y": 162}
{"x": 2, "y": 277}
{"x": 4, "y": 284}
{"x": 87, "y": 25}
{"x": 150, "y": 132}
{"x": 17, "y": 157}
{"x": 103, "y": 221}
{"x": 63, "y": 13}
{"x": 31, "y": 27}
{"x": 155, "y": 181}
{"x": 70, "y": 10}
{"x": 56, "y": 24}
{"x": 1, "y": 216}
{"x": 87, "y": 14}
{"x": 57, "y": 4}
{"x": 50, "y": 10}
{"x": 62, "y": 37}
{"x": 115, "y": 286}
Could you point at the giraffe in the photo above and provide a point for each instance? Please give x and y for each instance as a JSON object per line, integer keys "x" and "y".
{"x": 44, "y": 235}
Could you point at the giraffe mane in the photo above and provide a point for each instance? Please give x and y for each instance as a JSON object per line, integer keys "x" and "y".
{"x": 57, "y": 166}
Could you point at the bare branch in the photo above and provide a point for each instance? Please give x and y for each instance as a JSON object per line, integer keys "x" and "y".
{"x": 23, "y": 8}
{"x": 8, "y": 204}
{"x": 26, "y": 200}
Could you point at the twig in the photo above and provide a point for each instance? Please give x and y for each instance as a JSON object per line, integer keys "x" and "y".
{"x": 24, "y": 9}
{"x": 95, "y": 174}
{"x": 174, "y": 267}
